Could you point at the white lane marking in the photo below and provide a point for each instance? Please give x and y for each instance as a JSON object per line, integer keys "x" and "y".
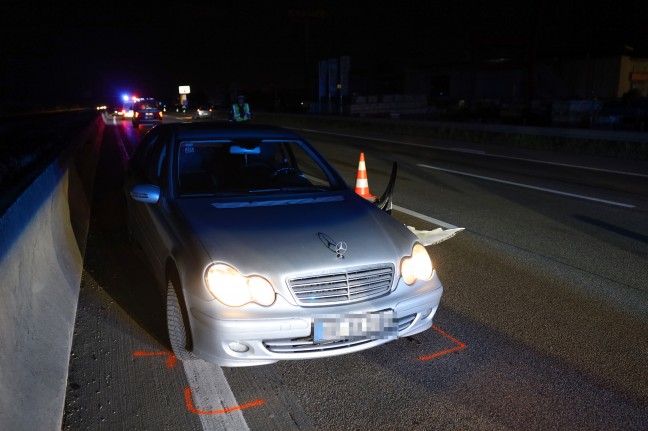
{"x": 469, "y": 150}
{"x": 527, "y": 186}
{"x": 210, "y": 391}
{"x": 391, "y": 141}
{"x": 425, "y": 218}
{"x": 568, "y": 165}
{"x": 479, "y": 152}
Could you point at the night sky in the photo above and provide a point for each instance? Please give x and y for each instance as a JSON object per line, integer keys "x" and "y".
{"x": 68, "y": 54}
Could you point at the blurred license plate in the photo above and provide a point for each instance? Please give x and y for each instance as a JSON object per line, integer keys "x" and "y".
{"x": 374, "y": 326}
{"x": 148, "y": 114}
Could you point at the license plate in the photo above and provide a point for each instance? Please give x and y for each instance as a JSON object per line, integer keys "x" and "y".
{"x": 149, "y": 114}
{"x": 373, "y": 326}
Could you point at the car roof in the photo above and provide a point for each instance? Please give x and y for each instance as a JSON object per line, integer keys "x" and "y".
{"x": 185, "y": 131}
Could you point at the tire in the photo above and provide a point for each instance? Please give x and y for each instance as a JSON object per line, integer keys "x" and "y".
{"x": 178, "y": 335}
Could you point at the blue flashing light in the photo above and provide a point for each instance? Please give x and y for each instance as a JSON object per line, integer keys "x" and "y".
{"x": 125, "y": 98}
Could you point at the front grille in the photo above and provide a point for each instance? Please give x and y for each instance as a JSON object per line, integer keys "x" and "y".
{"x": 342, "y": 287}
{"x": 308, "y": 345}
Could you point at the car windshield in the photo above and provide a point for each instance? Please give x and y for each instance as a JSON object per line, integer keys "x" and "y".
{"x": 250, "y": 167}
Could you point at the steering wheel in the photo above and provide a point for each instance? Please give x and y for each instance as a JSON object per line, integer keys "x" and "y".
{"x": 286, "y": 171}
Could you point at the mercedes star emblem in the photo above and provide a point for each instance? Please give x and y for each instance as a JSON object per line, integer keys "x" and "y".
{"x": 339, "y": 248}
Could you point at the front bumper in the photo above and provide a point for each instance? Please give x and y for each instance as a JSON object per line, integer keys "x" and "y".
{"x": 249, "y": 341}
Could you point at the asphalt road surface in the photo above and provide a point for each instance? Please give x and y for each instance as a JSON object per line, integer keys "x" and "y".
{"x": 543, "y": 323}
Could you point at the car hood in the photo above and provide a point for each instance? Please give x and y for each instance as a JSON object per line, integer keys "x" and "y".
{"x": 296, "y": 235}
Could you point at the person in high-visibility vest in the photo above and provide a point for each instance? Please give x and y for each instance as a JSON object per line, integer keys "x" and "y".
{"x": 241, "y": 110}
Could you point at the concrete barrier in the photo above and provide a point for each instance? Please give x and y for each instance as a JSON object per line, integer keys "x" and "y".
{"x": 42, "y": 238}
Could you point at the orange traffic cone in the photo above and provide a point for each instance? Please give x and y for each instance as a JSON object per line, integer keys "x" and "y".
{"x": 362, "y": 183}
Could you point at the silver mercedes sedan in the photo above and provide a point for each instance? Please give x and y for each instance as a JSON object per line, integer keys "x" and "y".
{"x": 264, "y": 253}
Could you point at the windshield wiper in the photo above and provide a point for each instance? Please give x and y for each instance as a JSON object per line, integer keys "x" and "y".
{"x": 210, "y": 195}
{"x": 290, "y": 189}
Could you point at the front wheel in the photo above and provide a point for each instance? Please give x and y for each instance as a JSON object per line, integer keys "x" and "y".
{"x": 178, "y": 335}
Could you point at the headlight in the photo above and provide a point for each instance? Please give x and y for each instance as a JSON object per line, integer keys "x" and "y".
{"x": 234, "y": 289}
{"x": 418, "y": 266}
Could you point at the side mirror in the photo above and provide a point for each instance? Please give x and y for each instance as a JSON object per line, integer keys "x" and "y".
{"x": 385, "y": 201}
{"x": 146, "y": 193}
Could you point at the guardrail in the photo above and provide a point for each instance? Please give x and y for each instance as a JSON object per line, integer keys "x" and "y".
{"x": 608, "y": 143}
{"x": 394, "y": 105}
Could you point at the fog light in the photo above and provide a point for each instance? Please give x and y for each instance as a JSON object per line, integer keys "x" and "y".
{"x": 238, "y": 347}
{"x": 426, "y": 313}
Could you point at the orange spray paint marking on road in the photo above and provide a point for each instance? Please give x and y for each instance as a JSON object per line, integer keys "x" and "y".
{"x": 170, "y": 361}
{"x": 459, "y": 346}
{"x": 192, "y": 409}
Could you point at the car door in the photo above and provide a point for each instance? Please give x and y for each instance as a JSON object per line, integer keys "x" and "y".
{"x": 151, "y": 219}
{"x": 137, "y": 174}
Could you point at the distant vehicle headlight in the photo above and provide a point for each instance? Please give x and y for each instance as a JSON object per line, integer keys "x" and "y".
{"x": 232, "y": 288}
{"x": 418, "y": 266}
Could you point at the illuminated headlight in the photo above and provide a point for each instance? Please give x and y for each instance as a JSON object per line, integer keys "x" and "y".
{"x": 418, "y": 266}
{"x": 234, "y": 289}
